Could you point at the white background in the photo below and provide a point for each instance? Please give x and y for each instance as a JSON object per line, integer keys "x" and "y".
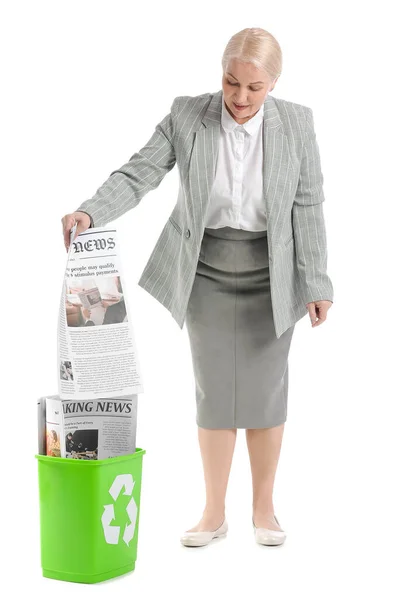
{"x": 83, "y": 85}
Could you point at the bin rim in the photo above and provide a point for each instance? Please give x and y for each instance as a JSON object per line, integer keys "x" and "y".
{"x": 139, "y": 452}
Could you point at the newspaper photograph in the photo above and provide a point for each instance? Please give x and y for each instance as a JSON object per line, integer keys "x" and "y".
{"x": 97, "y": 355}
{"x": 53, "y": 424}
{"x": 88, "y": 429}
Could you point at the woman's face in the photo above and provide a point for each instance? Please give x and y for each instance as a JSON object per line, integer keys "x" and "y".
{"x": 245, "y": 85}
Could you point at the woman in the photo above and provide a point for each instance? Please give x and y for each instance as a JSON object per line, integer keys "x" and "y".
{"x": 241, "y": 259}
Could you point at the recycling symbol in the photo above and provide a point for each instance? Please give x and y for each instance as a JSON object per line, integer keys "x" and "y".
{"x": 112, "y": 532}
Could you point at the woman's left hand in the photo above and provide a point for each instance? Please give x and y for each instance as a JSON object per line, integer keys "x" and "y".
{"x": 318, "y": 310}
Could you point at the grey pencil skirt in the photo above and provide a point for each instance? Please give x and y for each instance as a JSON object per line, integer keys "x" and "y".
{"x": 240, "y": 367}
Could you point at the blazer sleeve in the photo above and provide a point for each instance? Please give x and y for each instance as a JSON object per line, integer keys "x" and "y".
{"x": 308, "y": 221}
{"x": 126, "y": 186}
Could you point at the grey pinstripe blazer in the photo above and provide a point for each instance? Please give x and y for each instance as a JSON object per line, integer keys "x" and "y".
{"x": 292, "y": 186}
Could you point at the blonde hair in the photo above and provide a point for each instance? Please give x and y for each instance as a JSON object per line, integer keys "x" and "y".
{"x": 256, "y": 46}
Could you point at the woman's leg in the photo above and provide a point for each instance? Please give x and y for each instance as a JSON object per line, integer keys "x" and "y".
{"x": 264, "y": 447}
{"x": 217, "y": 446}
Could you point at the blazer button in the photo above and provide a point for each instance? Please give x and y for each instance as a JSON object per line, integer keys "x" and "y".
{"x": 188, "y": 233}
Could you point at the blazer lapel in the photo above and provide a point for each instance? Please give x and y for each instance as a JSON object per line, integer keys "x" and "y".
{"x": 277, "y": 164}
{"x": 277, "y": 167}
{"x": 203, "y": 159}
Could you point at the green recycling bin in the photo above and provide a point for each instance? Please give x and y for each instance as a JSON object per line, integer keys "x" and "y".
{"x": 89, "y": 516}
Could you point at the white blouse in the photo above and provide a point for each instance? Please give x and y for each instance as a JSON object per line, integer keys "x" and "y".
{"x": 237, "y": 197}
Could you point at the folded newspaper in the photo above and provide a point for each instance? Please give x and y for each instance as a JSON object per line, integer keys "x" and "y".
{"x": 97, "y": 356}
{"x": 87, "y": 429}
{"x": 94, "y": 414}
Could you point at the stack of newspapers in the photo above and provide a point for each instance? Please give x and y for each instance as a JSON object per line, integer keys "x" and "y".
{"x": 94, "y": 414}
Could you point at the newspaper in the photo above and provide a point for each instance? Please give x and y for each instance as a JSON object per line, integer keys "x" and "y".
{"x": 87, "y": 429}
{"x": 97, "y": 356}
{"x": 41, "y": 415}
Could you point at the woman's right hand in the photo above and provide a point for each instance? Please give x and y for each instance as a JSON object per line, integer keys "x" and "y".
{"x": 68, "y": 221}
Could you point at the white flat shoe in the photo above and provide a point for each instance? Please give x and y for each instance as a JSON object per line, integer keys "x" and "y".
{"x": 202, "y": 538}
{"x": 269, "y": 537}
